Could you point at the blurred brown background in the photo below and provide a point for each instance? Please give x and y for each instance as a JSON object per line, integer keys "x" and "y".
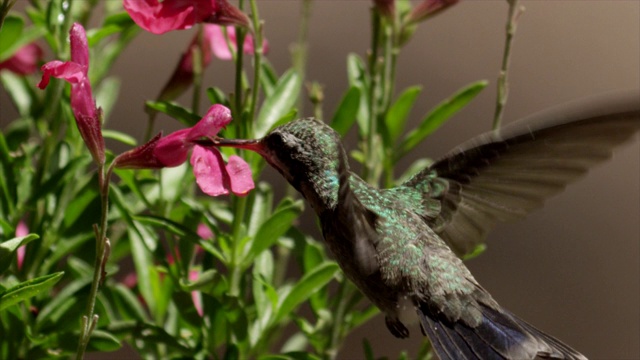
{"x": 571, "y": 269}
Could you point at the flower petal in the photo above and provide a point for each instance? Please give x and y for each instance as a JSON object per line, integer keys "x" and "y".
{"x": 79, "y": 46}
{"x": 172, "y": 150}
{"x": 161, "y": 17}
{"x": 215, "y": 119}
{"x": 239, "y": 175}
{"x": 217, "y": 41}
{"x": 69, "y": 71}
{"x": 141, "y": 157}
{"x": 24, "y": 61}
{"x": 208, "y": 167}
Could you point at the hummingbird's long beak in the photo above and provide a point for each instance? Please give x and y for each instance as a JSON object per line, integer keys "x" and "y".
{"x": 253, "y": 144}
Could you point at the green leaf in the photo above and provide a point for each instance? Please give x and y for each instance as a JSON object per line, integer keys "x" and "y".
{"x": 347, "y": 111}
{"x": 414, "y": 168}
{"x": 357, "y": 72}
{"x": 271, "y": 230}
{"x": 22, "y": 92}
{"x": 9, "y": 247}
{"x": 113, "y": 24}
{"x": 11, "y": 31}
{"x": 279, "y": 103}
{"x": 398, "y": 113}
{"x": 217, "y": 96}
{"x": 106, "y": 95}
{"x": 477, "y": 251}
{"x": 303, "y": 289}
{"x": 441, "y": 113}
{"x": 28, "y": 289}
{"x": 183, "y": 115}
{"x": 269, "y": 78}
{"x": 119, "y": 136}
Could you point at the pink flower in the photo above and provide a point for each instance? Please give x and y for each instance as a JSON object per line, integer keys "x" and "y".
{"x": 213, "y": 41}
{"x": 429, "y": 8}
{"x": 386, "y": 7}
{"x": 160, "y": 17}
{"x": 76, "y": 73}
{"x": 219, "y": 45}
{"x": 212, "y": 175}
{"x": 21, "y": 230}
{"x": 204, "y": 231}
{"x": 24, "y": 61}
{"x": 195, "y": 295}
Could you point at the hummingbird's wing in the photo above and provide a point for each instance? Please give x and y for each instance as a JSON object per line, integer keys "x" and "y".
{"x": 502, "y": 176}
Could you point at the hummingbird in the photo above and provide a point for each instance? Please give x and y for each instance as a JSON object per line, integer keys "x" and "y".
{"x": 403, "y": 246}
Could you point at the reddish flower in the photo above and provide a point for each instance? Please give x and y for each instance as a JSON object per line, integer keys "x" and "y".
{"x": 213, "y": 41}
{"x": 24, "y": 61}
{"x": 82, "y": 103}
{"x": 160, "y": 17}
{"x": 386, "y": 7}
{"x": 21, "y": 230}
{"x": 219, "y": 46}
{"x": 204, "y": 231}
{"x": 213, "y": 177}
{"x": 195, "y": 295}
{"x": 429, "y": 8}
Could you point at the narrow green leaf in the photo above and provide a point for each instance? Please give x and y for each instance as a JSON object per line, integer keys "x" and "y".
{"x": 414, "y": 168}
{"x": 271, "y": 230}
{"x": 441, "y": 113}
{"x": 261, "y": 207}
{"x": 182, "y": 114}
{"x": 22, "y": 93}
{"x": 398, "y": 113}
{"x": 303, "y": 289}
{"x": 357, "y": 72}
{"x": 11, "y": 31}
{"x": 28, "y": 289}
{"x": 107, "y": 94}
{"x": 217, "y": 96}
{"x": 9, "y": 247}
{"x": 478, "y": 250}
{"x": 347, "y": 111}
{"x": 119, "y": 136}
{"x": 279, "y": 103}
{"x": 269, "y": 78}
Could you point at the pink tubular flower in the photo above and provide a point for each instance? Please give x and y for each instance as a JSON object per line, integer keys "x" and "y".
{"x": 160, "y": 17}
{"x": 24, "y": 61}
{"x": 219, "y": 46}
{"x": 212, "y": 175}
{"x": 386, "y": 7}
{"x": 21, "y": 230}
{"x": 213, "y": 41}
{"x": 82, "y": 103}
{"x": 429, "y": 8}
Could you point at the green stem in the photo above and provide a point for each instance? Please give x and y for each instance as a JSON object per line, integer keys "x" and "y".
{"x": 257, "y": 64}
{"x": 503, "y": 87}
{"x": 90, "y": 320}
{"x": 198, "y": 70}
{"x": 300, "y": 49}
{"x": 337, "y": 327}
{"x": 367, "y": 171}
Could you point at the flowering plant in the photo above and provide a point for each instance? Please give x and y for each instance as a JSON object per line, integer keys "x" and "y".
{"x": 184, "y": 260}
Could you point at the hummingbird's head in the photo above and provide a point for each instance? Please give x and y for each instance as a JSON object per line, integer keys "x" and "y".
{"x": 306, "y": 152}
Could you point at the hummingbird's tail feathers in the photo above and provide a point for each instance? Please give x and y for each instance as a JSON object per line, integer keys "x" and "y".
{"x": 500, "y": 335}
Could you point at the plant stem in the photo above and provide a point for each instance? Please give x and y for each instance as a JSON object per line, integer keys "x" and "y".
{"x": 257, "y": 64}
{"x": 198, "y": 64}
{"x": 503, "y": 86}
{"x": 370, "y": 135}
{"x": 300, "y": 48}
{"x": 90, "y": 320}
